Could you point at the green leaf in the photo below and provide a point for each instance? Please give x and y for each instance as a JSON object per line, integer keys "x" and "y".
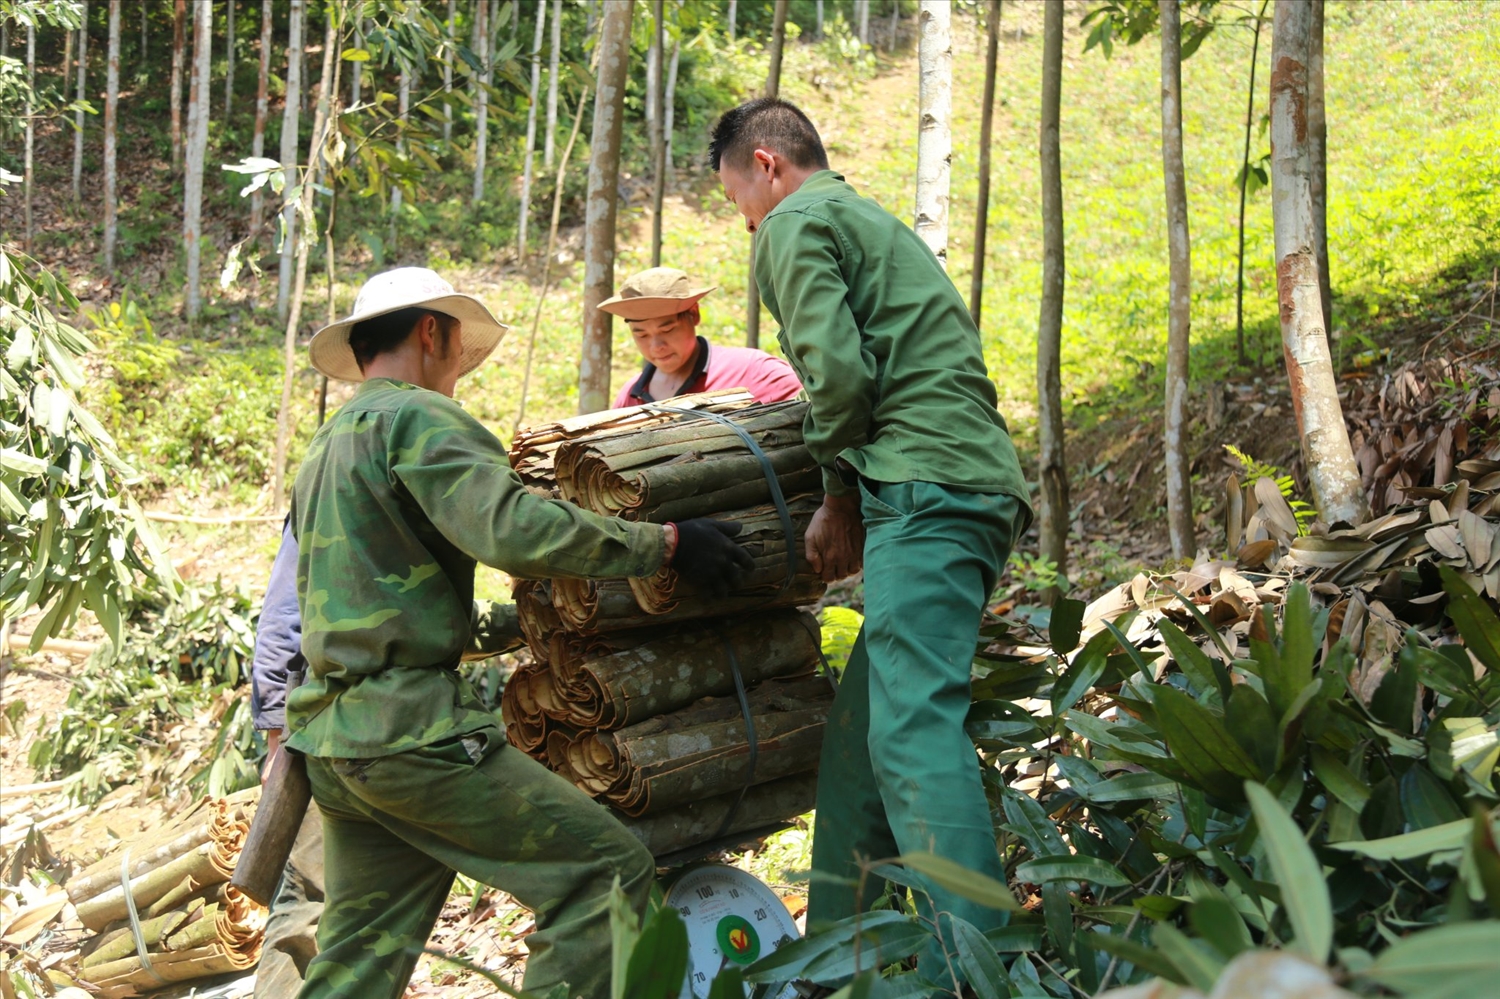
{"x": 1217, "y": 921}
{"x": 1002, "y": 722}
{"x": 1304, "y": 891}
{"x": 1342, "y": 782}
{"x": 1199, "y": 742}
{"x": 979, "y": 962}
{"x": 1071, "y": 867}
{"x": 1066, "y": 625}
{"x": 727, "y": 984}
{"x": 624, "y": 930}
{"x": 659, "y": 961}
{"x": 835, "y": 943}
{"x": 1148, "y": 959}
{"x": 1131, "y": 787}
{"x": 1467, "y": 745}
{"x": 1057, "y": 911}
{"x": 1425, "y": 961}
{"x": 355, "y": 55}
{"x": 1473, "y": 618}
{"x": 1194, "y": 960}
{"x": 1193, "y": 662}
{"x": 1015, "y": 938}
{"x": 1425, "y": 801}
{"x": 960, "y": 880}
{"x": 1248, "y": 717}
{"x": 1409, "y": 846}
{"x": 1085, "y": 670}
{"x": 868, "y": 950}
{"x": 1026, "y": 818}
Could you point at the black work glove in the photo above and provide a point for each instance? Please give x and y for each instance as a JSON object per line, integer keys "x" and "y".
{"x": 707, "y": 559}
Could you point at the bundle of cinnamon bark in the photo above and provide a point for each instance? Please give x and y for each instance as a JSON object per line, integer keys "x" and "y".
{"x": 190, "y": 923}
{"x": 695, "y": 717}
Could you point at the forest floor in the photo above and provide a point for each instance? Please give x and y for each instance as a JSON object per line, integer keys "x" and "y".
{"x": 1114, "y": 450}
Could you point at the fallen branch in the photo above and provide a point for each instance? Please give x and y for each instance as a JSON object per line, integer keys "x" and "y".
{"x": 182, "y": 518}
{"x": 65, "y": 646}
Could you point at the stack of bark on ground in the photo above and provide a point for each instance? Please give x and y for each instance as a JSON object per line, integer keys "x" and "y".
{"x": 192, "y": 923}
{"x": 631, "y": 694}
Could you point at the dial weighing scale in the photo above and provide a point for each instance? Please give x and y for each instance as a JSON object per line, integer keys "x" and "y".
{"x": 732, "y": 918}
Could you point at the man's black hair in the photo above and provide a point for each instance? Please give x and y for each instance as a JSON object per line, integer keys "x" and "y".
{"x": 373, "y": 337}
{"x": 770, "y": 123}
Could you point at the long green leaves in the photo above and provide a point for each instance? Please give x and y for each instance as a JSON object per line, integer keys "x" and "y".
{"x": 1303, "y": 889}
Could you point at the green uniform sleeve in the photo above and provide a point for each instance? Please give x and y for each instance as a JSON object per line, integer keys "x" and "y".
{"x": 493, "y": 628}
{"x": 457, "y": 472}
{"x": 800, "y": 276}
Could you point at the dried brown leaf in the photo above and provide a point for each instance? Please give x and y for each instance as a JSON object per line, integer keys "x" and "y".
{"x": 1255, "y": 554}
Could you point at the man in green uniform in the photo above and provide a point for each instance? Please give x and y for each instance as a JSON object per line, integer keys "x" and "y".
{"x": 922, "y": 486}
{"x": 399, "y": 495}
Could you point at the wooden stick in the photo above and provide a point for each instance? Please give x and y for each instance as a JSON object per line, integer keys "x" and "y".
{"x": 181, "y": 518}
{"x": 66, "y": 646}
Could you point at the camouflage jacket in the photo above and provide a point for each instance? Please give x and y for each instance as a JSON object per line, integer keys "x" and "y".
{"x": 399, "y": 495}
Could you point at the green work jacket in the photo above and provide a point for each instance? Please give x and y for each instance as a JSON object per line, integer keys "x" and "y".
{"x": 399, "y": 495}
{"x": 890, "y": 358}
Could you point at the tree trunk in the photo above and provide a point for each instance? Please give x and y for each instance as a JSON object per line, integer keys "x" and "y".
{"x": 179, "y": 41}
{"x": 403, "y": 105}
{"x": 549, "y": 137}
{"x": 83, "y": 70}
{"x": 733, "y": 11}
{"x": 862, "y": 16}
{"x": 1317, "y": 136}
{"x": 30, "y": 129}
{"x": 669, "y": 116}
{"x": 290, "y": 121}
{"x": 230, "y": 63}
{"x": 778, "y": 46}
{"x": 601, "y": 203}
{"x": 534, "y": 95}
{"x": 935, "y": 136}
{"x": 1337, "y": 491}
{"x": 1180, "y": 287}
{"x": 986, "y": 134}
{"x": 321, "y": 122}
{"x": 448, "y": 72}
{"x": 482, "y": 116}
{"x": 356, "y": 73}
{"x": 67, "y": 63}
{"x": 1239, "y": 282}
{"x": 262, "y": 106}
{"x": 111, "y": 117}
{"x": 199, "y": 101}
{"x": 145, "y": 53}
{"x": 656, "y": 114}
{"x": 818, "y": 19}
{"x": 1052, "y": 514}
{"x": 895, "y": 22}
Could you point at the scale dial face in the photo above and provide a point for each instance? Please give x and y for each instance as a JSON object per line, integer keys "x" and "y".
{"x": 732, "y": 918}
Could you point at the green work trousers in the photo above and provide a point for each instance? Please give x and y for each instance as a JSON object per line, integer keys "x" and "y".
{"x": 898, "y": 772}
{"x": 396, "y": 828}
{"x": 291, "y": 940}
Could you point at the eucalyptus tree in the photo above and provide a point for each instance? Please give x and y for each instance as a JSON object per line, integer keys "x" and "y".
{"x": 1052, "y": 512}
{"x": 935, "y": 125}
{"x": 531, "y": 108}
{"x": 549, "y": 137}
{"x": 773, "y": 89}
{"x": 600, "y": 207}
{"x": 262, "y": 108}
{"x": 111, "y": 118}
{"x": 31, "y": 110}
{"x": 290, "y": 119}
{"x": 734, "y": 6}
{"x": 230, "y": 61}
{"x": 986, "y": 135}
{"x": 448, "y": 72}
{"x": 1332, "y": 472}
{"x": 481, "y": 49}
{"x": 1179, "y": 287}
{"x": 83, "y": 71}
{"x": 1317, "y": 137}
{"x": 199, "y": 101}
{"x": 179, "y": 43}
{"x": 655, "y": 124}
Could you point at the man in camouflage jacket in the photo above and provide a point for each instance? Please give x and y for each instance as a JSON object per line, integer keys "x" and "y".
{"x": 399, "y": 495}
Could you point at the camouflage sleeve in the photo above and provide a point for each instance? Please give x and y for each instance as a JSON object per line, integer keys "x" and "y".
{"x": 494, "y": 628}
{"x": 459, "y": 474}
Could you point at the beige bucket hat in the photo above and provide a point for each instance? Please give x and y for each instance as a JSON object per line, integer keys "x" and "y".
{"x": 651, "y": 294}
{"x": 405, "y": 288}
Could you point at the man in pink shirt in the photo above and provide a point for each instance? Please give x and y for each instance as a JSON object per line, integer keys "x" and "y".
{"x": 661, "y": 306}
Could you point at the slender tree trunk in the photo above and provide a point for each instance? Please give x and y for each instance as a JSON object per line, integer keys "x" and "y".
{"x": 403, "y": 105}
{"x": 669, "y": 115}
{"x": 321, "y": 122}
{"x": 773, "y": 89}
{"x": 986, "y": 134}
{"x": 290, "y": 122}
{"x": 1317, "y": 137}
{"x": 199, "y": 101}
{"x": 1053, "y": 512}
{"x": 230, "y": 64}
{"x": 356, "y": 73}
{"x": 30, "y": 130}
{"x": 1239, "y": 281}
{"x": 862, "y": 14}
{"x": 262, "y": 107}
{"x": 599, "y": 217}
{"x": 111, "y": 117}
{"x": 531, "y": 109}
{"x": 67, "y": 64}
{"x": 1337, "y": 491}
{"x": 83, "y": 72}
{"x": 549, "y": 136}
{"x": 1180, "y": 288}
{"x": 935, "y": 137}
{"x": 895, "y": 22}
{"x": 482, "y": 116}
{"x": 448, "y": 72}
{"x": 179, "y": 40}
{"x": 818, "y": 19}
{"x": 734, "y": 6}
{"x": 145, "y": 52}
{"x": 656, "y": 115}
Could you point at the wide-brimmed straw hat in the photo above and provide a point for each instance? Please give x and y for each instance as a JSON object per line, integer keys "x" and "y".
{"x": 651, "y": 294}
{"x": 406, "y": 288}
